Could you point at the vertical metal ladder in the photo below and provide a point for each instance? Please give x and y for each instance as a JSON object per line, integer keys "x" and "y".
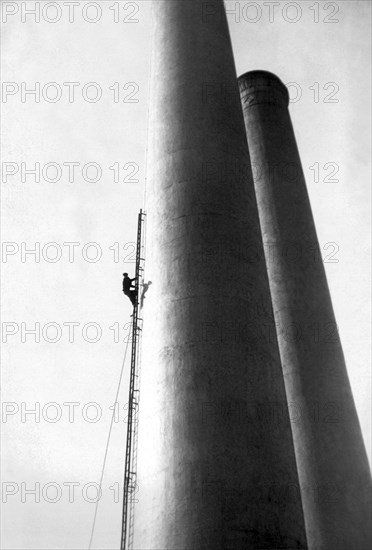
{"x": 130, "y": 468}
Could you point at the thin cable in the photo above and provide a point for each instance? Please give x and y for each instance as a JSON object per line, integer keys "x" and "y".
{"x": 108, "y": 441}
{"x": 150, "y": 68}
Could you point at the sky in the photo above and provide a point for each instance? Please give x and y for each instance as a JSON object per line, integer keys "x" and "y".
{"x": 87, "y": 131}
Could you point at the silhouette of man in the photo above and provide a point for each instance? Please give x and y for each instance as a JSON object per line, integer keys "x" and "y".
{"x": 127, "y": 285}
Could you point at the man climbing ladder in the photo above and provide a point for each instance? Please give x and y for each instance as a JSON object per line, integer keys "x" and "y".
{"x": 127, "y": 286}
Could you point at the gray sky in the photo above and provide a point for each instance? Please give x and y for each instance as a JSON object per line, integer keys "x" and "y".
{"x": 325, "y": 61}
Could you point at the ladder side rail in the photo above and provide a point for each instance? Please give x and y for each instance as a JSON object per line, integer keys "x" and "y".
{"x": 133, "y": 500}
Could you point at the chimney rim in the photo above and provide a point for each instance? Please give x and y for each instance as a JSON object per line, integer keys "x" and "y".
{"x": 252, "y": 79}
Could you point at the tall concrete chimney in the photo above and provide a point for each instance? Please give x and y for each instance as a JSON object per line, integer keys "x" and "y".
{"x": 331, "y": 459}
{"x": 216, "y": 464}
